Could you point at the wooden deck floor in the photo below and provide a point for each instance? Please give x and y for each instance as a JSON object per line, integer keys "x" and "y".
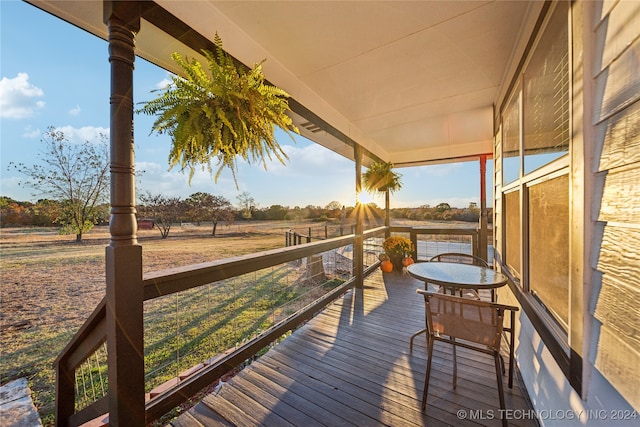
{"x": 351, "y": 365}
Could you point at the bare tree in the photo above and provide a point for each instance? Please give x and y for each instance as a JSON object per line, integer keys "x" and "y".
{"x": 205, "y": 207}
{"x": 77, "y": 175}
{"x": 165, "y": 211}
{"x": 247, "y": 204}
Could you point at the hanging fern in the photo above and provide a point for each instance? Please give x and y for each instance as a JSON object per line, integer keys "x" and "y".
{"x": 381, "y": 177}
{"x": 223, "y": 114}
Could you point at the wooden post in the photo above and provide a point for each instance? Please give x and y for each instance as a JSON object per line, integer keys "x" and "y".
{"x": 65, "y": 393}
{"x": 387, "y": 213}
{"x": 123, "y": 255}
{"x": 358, "y": 247}
{"x": 482, "y": 245}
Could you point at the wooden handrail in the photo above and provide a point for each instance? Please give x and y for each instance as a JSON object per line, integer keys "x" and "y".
{"x": 160, "y": 283}
{"x": 92, "y": 333}
{"x": 415, "y": 231}
{"x": 166, "y": 282}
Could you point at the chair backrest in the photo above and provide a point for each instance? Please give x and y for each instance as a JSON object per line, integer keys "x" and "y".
{"x": 460, "y": 258}
{"x": 479, "y": 322}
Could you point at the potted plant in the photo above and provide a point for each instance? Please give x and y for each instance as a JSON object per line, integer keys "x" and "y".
{"x": 397, "y": 249}
{"x": 223, "y": 113}
{"x": 380, "y": 177}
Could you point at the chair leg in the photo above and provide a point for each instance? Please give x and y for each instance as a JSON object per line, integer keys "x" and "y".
{"x": 455, "y": 366}
{"x": 421, "y": 331}
{"x": 428, "y": 373}
{"x": 512, "y": 330}
{"x": 500, "y": 390}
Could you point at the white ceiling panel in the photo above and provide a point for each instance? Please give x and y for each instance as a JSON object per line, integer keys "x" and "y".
{"x": 410, "y": 81}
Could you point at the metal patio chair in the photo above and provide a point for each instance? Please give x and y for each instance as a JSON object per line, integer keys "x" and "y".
{"x": 475, "y": 325}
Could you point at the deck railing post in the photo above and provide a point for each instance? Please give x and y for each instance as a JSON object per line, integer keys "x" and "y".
{"x": 413, "y": 236}
{"x": 124, "y": 290}
{"x": 358, "y": 247}
{"x": 483, "y": 238}
{"x": 387, "y": 213}
{"x": 65, "y": 393}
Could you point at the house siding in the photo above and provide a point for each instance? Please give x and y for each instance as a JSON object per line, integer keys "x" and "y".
{"x": 605, "y": 254}
{"x": 616, "y": 72}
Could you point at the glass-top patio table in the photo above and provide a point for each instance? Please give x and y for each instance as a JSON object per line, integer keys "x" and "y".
{"x": 455, "y": 276}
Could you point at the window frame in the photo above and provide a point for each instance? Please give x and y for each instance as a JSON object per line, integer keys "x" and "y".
{"x": 556, "y": 339}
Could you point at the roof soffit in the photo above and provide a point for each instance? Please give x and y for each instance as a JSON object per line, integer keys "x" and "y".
{"x": 389, "y": 75}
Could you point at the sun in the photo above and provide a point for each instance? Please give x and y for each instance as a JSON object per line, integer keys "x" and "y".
{"x": 365, "y": 198}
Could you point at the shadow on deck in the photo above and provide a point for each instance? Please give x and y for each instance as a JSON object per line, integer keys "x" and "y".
{"x": 351, "y": 365}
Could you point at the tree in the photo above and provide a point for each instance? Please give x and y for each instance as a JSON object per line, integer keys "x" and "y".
{"x": 14, "y": 213}
{"x": 46, "y": 211}
{"x": 204, "y": 206}
{"x": 196, "y": 207}
{"x": 381, "y": 178}
{"x": 442, "y": 207}
{"x": 77, "y": 175}
{"x": 276, "y": 212}
{"x": 246, "y": 204}
{"x": 334, "y": 206}
{"x": 225, "y": 112}
{"x": 164, "y": 210}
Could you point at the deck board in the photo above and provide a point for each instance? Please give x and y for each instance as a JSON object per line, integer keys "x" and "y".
{"x": 351, "y": 365}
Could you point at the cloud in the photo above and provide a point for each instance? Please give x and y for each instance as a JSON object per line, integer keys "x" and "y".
{"x": 19, "y": 98}
{"x": 75, "y": 111}
{"x": 149, "y": 167}
{"x": 162, "y": 84}
{"x": 84, "y": 134}
{"x": 31, "y": 133}
{"x": 10, "y": 187}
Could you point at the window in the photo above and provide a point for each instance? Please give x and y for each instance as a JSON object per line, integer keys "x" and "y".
{"x": 546, "y": 95}
{"x": 511, "y": 141}
{"x": 512, "y": 231}
{"x": 549, "y": 246}
{"x": 535, "y": 143}
{"x": 535, "y": 192}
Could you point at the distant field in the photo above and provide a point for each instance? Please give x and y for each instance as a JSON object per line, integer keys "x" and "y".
{"x": 50, "y": 284}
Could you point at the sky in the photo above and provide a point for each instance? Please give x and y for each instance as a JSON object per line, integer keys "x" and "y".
{"x": 55, "y": 74}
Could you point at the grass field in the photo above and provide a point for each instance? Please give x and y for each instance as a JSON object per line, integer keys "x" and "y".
{"x": 50, "y": 284}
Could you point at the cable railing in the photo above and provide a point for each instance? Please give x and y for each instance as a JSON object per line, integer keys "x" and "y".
{"x": 202, "y": 322}
{"x": 429, "y": 242}
{"x": 186, "y": 330}
{"x": 91, "y": 379}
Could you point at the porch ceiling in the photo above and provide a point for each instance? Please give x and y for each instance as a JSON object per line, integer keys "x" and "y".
{"x": 412, "y": 82}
